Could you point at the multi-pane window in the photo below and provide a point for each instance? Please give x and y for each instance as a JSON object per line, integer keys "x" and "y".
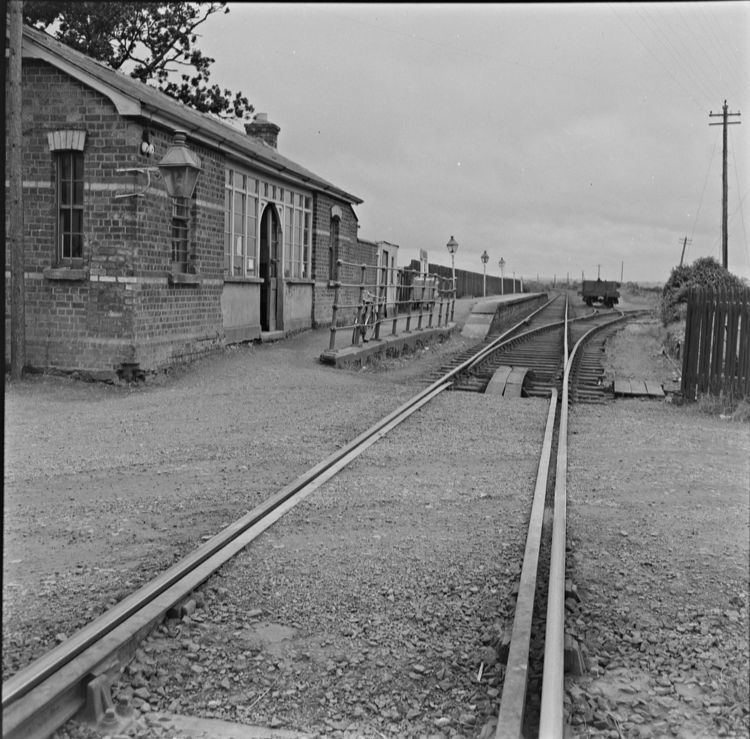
{"x": 240, "y": 224}
{"x": 297, "y": 220}
{"x": 69, "y": 207}
{"x": 180, "y": 233}
{"x": 242, "y": 196}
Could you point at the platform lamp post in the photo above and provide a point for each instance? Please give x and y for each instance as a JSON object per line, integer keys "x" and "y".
{"x": 514, "y": 282}
{"x": 452, "y": 247}
{"x": 485, "y": 259}
{"x": 502, "y": 276}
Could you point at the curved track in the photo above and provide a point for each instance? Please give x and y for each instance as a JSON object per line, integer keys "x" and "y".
{"x": 41, "y": 697}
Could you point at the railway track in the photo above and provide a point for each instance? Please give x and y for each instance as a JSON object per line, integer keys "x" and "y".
{"x": 43, "y": 696}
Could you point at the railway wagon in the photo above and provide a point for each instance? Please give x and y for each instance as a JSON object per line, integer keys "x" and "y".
{"x": 600, "y": 291}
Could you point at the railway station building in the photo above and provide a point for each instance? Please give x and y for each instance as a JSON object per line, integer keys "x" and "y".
{"x": 154, "y": 233}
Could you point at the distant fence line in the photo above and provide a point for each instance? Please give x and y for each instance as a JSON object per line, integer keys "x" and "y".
{"x": 716, "y": 350}
{"x": 471, "y": 284}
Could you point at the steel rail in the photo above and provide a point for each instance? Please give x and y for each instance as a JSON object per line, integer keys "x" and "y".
{"x": 510, "y": 716}
{"x": 551, "y": 718}
{"x": 52, "y": 686}
{"x": 62, "y": 669}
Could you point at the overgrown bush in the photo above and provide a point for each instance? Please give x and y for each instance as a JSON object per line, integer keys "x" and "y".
{"x": 703, "y": 272}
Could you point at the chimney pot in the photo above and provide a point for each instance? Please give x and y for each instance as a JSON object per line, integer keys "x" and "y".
{"x": 261, "y": 128}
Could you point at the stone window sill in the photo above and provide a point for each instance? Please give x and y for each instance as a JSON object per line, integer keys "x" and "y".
{"x": 184, "y": 278}
{"x": 65, "y": 273}
{"x": 246, "y": 280}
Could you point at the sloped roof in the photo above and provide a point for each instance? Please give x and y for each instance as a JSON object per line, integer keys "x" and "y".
{"x": 133, "y": 98}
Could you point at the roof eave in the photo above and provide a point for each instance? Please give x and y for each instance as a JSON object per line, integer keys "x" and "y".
{"x": 133, "y": 107}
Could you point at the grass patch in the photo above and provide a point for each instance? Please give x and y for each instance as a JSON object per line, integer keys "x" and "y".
{"x": 726, "y": 407}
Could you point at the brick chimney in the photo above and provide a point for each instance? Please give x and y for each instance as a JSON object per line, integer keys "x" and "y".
{"x": 261, "y": 128}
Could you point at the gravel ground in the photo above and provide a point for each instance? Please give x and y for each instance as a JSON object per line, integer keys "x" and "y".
{"x": 370, "y": 609}
{"x": 659, "y": 521}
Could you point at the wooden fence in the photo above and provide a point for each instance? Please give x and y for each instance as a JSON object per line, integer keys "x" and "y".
{"x": 716, "y": 350}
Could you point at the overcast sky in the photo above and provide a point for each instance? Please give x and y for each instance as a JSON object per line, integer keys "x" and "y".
{"x": 562, "y": 138}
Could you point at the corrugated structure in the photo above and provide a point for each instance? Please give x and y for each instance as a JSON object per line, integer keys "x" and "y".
{"x": 716, "y": 350}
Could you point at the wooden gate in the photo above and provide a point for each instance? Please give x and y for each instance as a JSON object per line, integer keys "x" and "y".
{"x": 716, "y": 350}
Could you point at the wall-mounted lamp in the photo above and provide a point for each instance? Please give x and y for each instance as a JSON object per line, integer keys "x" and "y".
{"x": 180, "y": 168}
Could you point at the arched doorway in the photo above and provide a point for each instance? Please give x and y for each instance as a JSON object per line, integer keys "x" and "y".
{"x": 271, "y": 290}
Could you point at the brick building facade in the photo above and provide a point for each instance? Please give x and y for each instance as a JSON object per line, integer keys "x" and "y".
{"x": 122, "y": 277}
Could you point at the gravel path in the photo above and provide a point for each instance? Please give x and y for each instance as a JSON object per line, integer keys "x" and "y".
{"x": 370, "y": 609}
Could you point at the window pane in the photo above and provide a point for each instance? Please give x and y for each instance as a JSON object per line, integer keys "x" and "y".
{"x": 65, "y": 169}
{"x": 77, "y": 222}
{"x": 77, "y": 165}
{"x": 230, "y": 176}
{"x": 78, "y": 193}
{"x": 76, "y": 245}
{"x": 239, "y": 211}
{"x": 65, "y": 190}
{"x": 308, "y": 204}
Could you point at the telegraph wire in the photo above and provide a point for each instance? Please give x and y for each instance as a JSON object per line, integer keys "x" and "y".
{"x": 703, "y": 191}
{"x": 684, "y": 63}
{"x": 697, "y": 37}
{"x": 659, "y": 61}
{"x": 739, "y": 207}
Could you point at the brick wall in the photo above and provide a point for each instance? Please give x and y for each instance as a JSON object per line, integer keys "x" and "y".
{"x": 122, "y": 307}
{"x": 351, "y": 251}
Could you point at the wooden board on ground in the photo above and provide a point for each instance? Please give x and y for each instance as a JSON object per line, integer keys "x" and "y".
{"x": 507, "y": 381}
{"x": 632, "y": 387}
{"x": 496, "y": 385}
{"x": 515, "y": 382}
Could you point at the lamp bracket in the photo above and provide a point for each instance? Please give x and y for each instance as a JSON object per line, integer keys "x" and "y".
{"x": 148, "y": 171}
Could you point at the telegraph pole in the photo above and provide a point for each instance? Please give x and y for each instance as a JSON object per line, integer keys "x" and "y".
{"x": 15, "y": 182}
{"x": 724, "y": 222}
{"x": 685, "y": 242}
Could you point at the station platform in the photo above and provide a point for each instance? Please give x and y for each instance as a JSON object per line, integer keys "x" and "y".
{"x": 474, "y": 318}
{"x": 489, "y": 315}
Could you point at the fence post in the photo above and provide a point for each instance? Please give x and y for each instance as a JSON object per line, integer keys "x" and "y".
{"x": 421, "y": 304}
{"x": 409, "y": 304}
{"x": 392, "y": 271}
{"x": 432, "y": 303}
{"x": 336, "y": 297}
{"x": 380, "y": 296}
{"x": 356, "y": 333}
{"x": 743, "y": 369}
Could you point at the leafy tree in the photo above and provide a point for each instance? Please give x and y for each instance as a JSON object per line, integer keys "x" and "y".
{"x": 705, "y": 272}
{"x": 149, "y": 40}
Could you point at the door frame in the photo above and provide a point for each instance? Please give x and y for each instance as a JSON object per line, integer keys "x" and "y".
{"x": 271, "y": 268}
